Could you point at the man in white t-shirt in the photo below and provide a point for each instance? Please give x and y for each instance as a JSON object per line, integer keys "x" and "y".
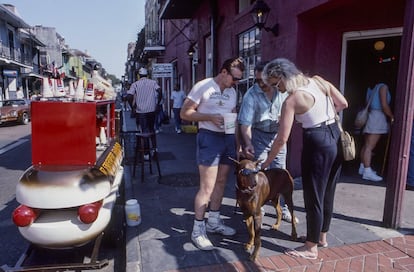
{"x": 206, "y": 103}
{"x": 177, "y": 99}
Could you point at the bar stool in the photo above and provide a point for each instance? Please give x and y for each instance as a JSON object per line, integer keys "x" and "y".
{"x": 146, "y": 151}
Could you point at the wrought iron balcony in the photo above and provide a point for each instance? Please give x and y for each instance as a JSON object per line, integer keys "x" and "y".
{"x": 9, "y": 54}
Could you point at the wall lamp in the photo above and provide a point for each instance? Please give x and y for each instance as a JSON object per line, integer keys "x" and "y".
{"x": 191, "y": 50}
{"x": 260, "y": 12}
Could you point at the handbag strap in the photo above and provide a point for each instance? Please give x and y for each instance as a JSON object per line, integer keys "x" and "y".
{"x": 372, "y": 96}
{"x": 321, "y": 84}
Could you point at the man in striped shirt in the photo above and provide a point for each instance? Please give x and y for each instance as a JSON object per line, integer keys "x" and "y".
{"x": 144, "y": 91}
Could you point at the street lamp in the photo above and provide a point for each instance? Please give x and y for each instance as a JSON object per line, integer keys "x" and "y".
{"x": 260, "y": 12}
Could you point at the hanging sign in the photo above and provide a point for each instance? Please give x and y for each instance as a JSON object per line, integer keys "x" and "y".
{"x": 162, "y": 70}
{"x": 10, "y": 73}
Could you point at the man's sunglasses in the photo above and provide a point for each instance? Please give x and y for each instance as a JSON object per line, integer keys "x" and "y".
{"x": 235, "y": 78}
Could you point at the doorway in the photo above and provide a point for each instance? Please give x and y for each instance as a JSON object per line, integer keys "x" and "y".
{"x": 368, "y": 57}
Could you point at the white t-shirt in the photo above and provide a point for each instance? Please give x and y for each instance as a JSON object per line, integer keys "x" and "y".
{"x": 207, "y": 94}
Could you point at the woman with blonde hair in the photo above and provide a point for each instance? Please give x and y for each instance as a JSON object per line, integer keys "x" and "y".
{"x": 313, "y": 102}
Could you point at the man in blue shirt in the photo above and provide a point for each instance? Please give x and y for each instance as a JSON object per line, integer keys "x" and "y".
{"x": 259, "y": 122}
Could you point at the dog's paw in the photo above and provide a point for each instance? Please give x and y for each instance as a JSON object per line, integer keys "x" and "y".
{"x": 275, "y": 226}
{"x": 248, "y": 247}
{"x": 253, "y": 256}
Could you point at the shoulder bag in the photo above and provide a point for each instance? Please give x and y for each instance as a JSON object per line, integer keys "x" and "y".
{"x": 362, "y": 116}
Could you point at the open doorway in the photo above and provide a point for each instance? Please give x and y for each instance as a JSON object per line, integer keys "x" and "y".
{"x": 368, "y": 56}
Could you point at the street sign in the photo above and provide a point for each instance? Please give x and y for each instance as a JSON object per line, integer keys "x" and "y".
{"x": 162, "y": 70}
{"x": 10, "y": 73}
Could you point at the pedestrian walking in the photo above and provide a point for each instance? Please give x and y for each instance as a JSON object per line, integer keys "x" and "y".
{"x": 177, "y": 100}
{"x": 380, "y": 117}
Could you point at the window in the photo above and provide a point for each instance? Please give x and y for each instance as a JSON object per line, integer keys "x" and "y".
{"x": 250, "y": 51}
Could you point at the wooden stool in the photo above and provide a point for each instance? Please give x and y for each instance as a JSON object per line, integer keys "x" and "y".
{"x": 146, "y": 151}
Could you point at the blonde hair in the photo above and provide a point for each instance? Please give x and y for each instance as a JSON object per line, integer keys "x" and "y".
{"x": 283, "y": 68}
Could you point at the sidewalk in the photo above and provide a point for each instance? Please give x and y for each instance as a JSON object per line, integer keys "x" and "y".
{"x": 357, "y": 242}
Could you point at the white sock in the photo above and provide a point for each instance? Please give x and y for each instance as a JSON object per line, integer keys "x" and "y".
{"x": 214, "y": 214}
{"x": 198, "y": 223}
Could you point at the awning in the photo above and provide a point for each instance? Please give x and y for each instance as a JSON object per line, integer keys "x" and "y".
{"x": 32, "y": 75}
{"x": 179, "y": 9}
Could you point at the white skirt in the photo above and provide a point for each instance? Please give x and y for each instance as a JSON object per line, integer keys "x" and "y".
{"x": 377, "y": 123}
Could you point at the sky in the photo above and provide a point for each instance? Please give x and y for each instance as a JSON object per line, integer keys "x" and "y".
{"x": 103, "y": 28}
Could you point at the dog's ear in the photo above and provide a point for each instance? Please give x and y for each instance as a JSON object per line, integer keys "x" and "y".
{"x": 258, "y": 162}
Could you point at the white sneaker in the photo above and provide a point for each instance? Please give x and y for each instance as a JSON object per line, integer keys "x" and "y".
{"x": 362, "y": 168}
{"x": 215, "y": 225}
{"x": 200, "y": 239}
{"x": 178, "y": 131}
{"x": 371, "y": 175}
{"x": 202, "y": 242}
{"x": 287, "y": 216}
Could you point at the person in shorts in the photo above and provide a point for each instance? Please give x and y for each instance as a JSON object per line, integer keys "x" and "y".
{"x": 206, "y": 103}
{"x": 380, "y": 117}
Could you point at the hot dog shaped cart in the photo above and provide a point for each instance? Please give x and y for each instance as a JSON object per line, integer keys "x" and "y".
{"x": 68, "y": 193}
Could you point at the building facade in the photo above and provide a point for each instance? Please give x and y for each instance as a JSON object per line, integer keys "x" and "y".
{"x": 18, "y": 52}
{"x": 347, "y": 42}
{"x": 30, "y": 54}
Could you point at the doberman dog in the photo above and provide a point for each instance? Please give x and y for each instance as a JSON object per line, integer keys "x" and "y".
{"x": 255, "y": 188}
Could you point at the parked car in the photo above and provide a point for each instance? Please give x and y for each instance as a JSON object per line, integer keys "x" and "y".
{"x": 15, "y": 110}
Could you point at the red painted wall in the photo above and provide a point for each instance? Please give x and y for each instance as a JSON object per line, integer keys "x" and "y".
{"x": 310, "y": 34}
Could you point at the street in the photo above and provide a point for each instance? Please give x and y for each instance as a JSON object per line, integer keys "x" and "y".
{"x": 13, "y": 162}
{"x": 15, "y": 158}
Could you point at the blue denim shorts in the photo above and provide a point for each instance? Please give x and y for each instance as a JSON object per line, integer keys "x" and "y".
{"x": 214, "y": 148}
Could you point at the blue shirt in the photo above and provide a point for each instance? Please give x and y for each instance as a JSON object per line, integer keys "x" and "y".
{"x": 376, "y": 100}
{"x": 259, "y": 112}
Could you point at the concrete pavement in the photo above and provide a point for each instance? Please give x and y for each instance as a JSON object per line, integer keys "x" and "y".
{"x": 357, "y": 242}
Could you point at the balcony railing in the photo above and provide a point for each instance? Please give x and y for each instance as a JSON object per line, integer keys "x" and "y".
{"x": 154, "y": 38}
{"x": 14, "y": 54}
